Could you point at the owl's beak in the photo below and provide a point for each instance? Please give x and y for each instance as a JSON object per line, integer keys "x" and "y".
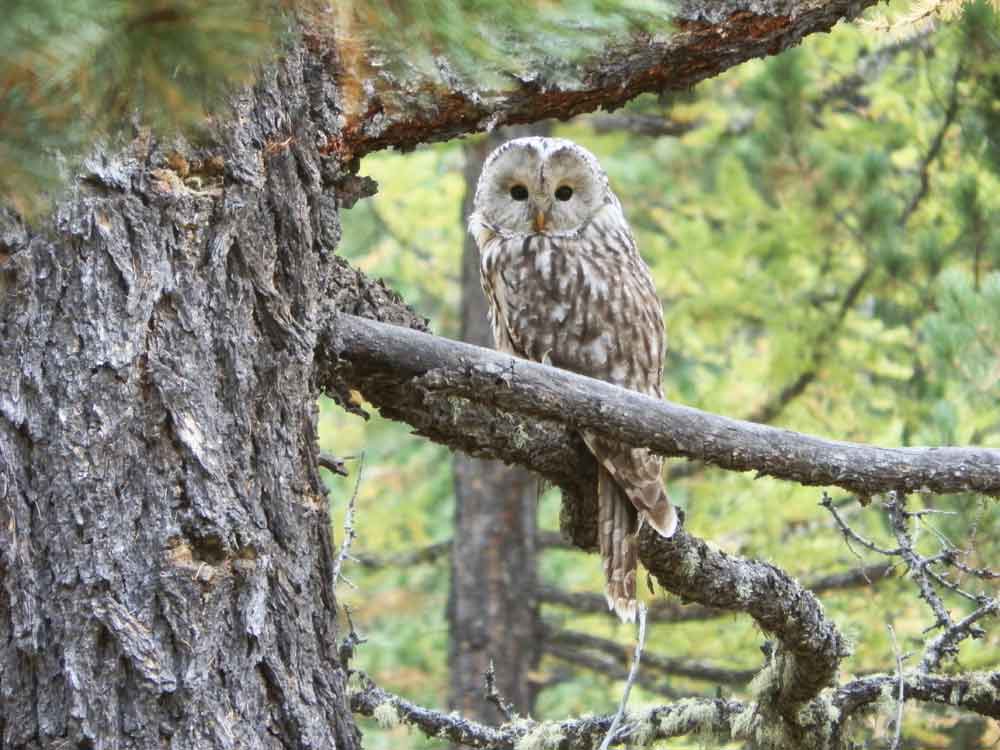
{"x": 539, "y": 220}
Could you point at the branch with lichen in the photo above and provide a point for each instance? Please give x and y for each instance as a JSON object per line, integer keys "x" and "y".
{"x": 825, "y": 716}
{"x": 689, "y": 716}
{"x": 491, "y": 405}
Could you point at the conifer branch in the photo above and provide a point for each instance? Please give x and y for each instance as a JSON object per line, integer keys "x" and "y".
{"x": 711, "y": 38}
{"x": 416, "y": 366}
{"x": 979, "y": 693}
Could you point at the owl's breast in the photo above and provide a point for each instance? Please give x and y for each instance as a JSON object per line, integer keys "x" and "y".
{"x": 579, "y": 305}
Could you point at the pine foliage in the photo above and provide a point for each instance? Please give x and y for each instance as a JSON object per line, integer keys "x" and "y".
{"x": 73, "y": 71}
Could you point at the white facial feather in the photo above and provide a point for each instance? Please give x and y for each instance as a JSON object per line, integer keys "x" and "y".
{"x": 539, "y": 166}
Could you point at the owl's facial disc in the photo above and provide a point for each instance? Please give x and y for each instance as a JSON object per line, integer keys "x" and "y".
{"x": 540, "y": 185}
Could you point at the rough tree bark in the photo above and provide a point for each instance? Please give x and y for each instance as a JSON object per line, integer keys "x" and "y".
{"x": 164, "y": 537}
{"x": 492, "y": 613}
{"x": 164, "y": 540}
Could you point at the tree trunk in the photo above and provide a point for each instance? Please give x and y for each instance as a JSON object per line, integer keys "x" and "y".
{"x": 492, "y": 612}
{"x": 164, "y": 533}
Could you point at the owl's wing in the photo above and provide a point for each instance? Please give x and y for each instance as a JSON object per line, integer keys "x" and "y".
{"x": 487, "y": 239}
{"x": 503, "y": 337}
{"x": 638, "y": 473}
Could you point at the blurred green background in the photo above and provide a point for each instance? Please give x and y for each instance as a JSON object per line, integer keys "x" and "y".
{"x": 826, "y": 228}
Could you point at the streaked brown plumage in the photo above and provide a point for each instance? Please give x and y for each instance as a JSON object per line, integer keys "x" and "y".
{"x": 567, "y": 287}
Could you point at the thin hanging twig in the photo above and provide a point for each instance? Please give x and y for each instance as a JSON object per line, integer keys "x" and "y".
{"x": 899, "y": 696}
{"x": 349, "y": 533}
{"x": 633, "y": 673}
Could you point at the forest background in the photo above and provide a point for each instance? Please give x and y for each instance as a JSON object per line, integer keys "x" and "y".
{"x": 822, "y": 229}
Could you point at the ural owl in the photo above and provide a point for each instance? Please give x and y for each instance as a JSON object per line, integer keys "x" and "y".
{"x": 567, "y": 287}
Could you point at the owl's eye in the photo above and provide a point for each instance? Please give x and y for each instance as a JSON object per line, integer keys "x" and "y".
{"x": 564, "y": 192}
{"x": 519, "y": 193}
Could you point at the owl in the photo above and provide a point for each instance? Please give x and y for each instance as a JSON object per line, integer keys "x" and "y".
{"x": 567, "y": 287}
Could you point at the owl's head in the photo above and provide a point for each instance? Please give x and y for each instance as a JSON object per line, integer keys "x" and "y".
{"x": 532, "y": 185}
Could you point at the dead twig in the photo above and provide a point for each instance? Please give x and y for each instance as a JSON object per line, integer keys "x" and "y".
{"x": 947, "y": 642}
{"x": 896, "y": 508}
{"x": 351, "y": 641}
{"x": 494, "y": 697}
{"x": 331, "y": 463}
{"x": 349, "y": 533}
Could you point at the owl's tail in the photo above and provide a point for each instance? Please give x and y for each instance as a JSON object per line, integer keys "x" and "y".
{"x": 617, "y": 523}
{"x": 618, "y": 526}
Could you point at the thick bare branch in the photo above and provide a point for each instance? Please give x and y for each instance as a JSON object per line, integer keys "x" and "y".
{"x": 422, "y": 363}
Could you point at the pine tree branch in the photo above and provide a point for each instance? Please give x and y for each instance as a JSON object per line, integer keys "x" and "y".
{"x": 951, "y": 112}
{"x": 385, "y": 356}
{"x": 711, "y": 38}
{"x": 867, "y": 69}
